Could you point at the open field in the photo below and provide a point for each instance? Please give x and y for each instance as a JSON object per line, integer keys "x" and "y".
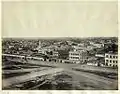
{"x": 44, "y": 75}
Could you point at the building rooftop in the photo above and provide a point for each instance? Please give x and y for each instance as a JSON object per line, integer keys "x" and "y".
{"x": 111, "y": 52}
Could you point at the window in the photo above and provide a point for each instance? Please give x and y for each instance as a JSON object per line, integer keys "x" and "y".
{"x": 113, "y": 56}
{"x": 110, "y": 65}
{"x": 107, "y": 56}
{"x": 113, "y": 61}
{"x": 110, "y": 61}
{"x": 106, "y": 60}
{"x": 113, "y": 65}
{"x": 116, "y": 56}
{"x": 116, "y": 62}
{"x": 110, "y": 56}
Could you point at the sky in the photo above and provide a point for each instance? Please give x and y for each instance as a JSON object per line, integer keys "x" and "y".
{"x": 59, "y": 19}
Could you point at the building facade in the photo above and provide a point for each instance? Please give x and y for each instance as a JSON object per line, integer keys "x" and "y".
{"x": 77, "y": 56}
{"x": 111, "y": 59}
{"x": 98, "y": 45}
{"x": 55, "y": 53}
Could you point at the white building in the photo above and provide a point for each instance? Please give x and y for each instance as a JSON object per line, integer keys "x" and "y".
{"x": 81, "y": 45}
{"x": 111, "y": 59}
{"x": 42, "y": 51}
{"x": 98, "y": 45}
{"x": 55, "y": 53}
{"x": 77, "y": 56}
{"x": 92, "y": 63}
{"x": 79, "y": 48}
{"x": 99, "y": 55}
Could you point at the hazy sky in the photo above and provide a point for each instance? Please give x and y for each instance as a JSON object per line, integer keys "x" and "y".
{"x": 80, "y": 19}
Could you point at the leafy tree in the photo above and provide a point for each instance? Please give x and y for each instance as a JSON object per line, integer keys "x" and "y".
{"x": 111, "y": 47}
{"x": 63, "y": 54}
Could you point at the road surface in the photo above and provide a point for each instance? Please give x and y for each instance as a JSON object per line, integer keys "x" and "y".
{"x": 27, "y": 77}
{"x": 99, "y": 82}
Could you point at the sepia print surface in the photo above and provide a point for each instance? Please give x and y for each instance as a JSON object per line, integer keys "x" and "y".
{"x": 59, "y": 46}
{"x": 60, "y": 63}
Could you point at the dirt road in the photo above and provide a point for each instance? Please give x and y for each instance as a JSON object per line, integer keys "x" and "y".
{"x": 83, "y": 78}
{"x": 27, "y": 77}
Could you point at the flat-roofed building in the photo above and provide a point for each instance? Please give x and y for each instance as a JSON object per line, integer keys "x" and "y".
{"x": 55, "y": 53}
{"x": 111, "y": 59}
{"x": 98, "y": 45}
{"x": 78, "y": 56}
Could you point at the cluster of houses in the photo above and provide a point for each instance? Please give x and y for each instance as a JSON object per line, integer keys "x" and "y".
{"x": 79, "y": 54}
